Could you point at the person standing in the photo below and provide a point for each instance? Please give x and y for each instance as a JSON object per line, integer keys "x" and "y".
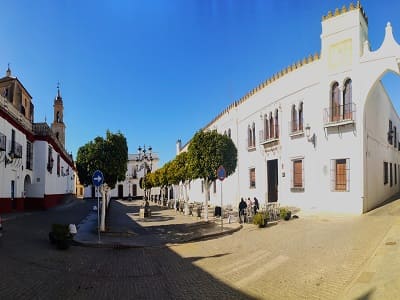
{"x": 256, "y": 205}
{"x": 242, "y": 208}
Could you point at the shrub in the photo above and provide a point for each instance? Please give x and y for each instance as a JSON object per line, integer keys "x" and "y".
{"x": 285, "y": 213}
{"x": 260, "y": 219}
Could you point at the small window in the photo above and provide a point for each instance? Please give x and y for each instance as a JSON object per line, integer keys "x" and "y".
{"x": 391, "y": 174}
{"x": 229, "y": 133}
{"x": 252, "y": 178}
{"x": 340, "y": 175}
{"x": 385, "y": 173}
{"x": 29, "y": 155}
{"x": 395, "y": 136}
{"x": 214, "y": 186}
{"x": 298, "y": 174}
{"x": 390, "y": 133}
{"x": 202, "y": 186}
{"x": 395, "y": 173}
{"x": 58, "y": 165}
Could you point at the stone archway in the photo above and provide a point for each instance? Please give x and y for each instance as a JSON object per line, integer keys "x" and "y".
{"x": 381, "y": 155}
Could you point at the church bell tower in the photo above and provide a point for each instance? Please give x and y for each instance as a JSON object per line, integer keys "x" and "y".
{"x": 58, "y": 125}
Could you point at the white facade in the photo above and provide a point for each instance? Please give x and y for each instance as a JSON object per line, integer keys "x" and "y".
{"x": 330, "y": 147}
{"x": 30, "y": 178}
{"x": 130, "y": 187}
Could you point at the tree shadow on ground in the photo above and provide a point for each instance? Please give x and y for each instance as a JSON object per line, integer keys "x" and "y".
{"x": 86, "y": 272}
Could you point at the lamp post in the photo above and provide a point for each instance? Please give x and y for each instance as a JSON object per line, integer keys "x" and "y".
{"x": 129, "y": 178}
{"x": 145, "y": 159}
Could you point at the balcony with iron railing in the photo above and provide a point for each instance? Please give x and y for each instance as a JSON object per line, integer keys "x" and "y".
{"x": 296, "y": 127}
{"x": 3, "y": 142}
{"x": 268, "y": 138}
{"x": 340, "y": 115}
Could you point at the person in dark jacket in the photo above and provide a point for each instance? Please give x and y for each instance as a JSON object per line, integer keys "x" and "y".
{"x": 242, "y": 209}
{"x": 256, "y": 205}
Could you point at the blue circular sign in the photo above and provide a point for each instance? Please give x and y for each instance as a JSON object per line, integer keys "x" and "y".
{"x": 97, "y": 178}
{"x": 221, "y": 173}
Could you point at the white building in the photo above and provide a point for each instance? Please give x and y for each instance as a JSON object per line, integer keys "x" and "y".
{"x": 130, "y": 187}
{"x": 322, "y": 133}
{"x": 35, "y": 169}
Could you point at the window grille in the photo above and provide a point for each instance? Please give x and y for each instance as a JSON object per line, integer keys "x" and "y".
{"x": 340, "y": 175}
{"x": 3, "y": 144}
{"x": 390, "y": 133}
{"x": 58, "y": 165}
{"x": 252, "y": 176}
{"x": 29, "y": 155}
{"x": 385, "y": 173}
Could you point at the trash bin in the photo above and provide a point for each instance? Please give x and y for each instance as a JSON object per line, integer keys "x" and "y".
{"x": 217, "y": 211}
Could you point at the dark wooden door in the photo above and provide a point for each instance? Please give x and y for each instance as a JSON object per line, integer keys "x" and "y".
{"x": 272, "y": 169}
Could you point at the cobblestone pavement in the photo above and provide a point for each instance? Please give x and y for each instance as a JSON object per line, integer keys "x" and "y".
{"x": 31, "y": 268}
{"x": 305, "y": 258}
{"x": 313, "y": 257}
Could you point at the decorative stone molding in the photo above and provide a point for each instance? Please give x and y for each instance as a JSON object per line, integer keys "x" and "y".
{"x": 344, "y": 10}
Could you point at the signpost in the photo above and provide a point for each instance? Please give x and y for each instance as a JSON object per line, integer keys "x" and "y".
{"x": 221, "y": 174}
{"x": 98, "y": 180}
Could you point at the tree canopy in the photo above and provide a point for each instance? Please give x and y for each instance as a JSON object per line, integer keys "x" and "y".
{"x": 109, "y": 155}
{"x": 207, "y": 151}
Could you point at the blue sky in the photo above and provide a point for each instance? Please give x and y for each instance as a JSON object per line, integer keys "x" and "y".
{"x": 160, "y": 70}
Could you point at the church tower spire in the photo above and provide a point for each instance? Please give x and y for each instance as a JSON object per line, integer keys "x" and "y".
{"x": 58, "y": 125}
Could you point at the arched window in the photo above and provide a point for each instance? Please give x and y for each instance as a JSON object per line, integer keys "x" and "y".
{"x": 294, "y": 118}
{"x": 249, "y": 137}
{"x": 301, "y": 116}
{"x": 266, "y": 127}
{"x": 229, "y": 133}
{"x": 58, "y": 117}
{"x": 276, "y": 124}
{"x": 347, "y": 100}
{"x": 271, "y": 126}
{"x": 335, "y": 102}
{"x": 253, "y": 129}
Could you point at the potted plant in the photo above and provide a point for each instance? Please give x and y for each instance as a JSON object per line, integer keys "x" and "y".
{"x": 261, "y": 219}
{"x": 285, "y": 214}
{"x": 60, "y": 236}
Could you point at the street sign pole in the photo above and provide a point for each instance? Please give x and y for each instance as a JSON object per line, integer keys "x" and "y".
{"x": 98, "y": 213}
{"x": 97, "y": 180}
{"x": 221, "y": 174}
{"x": 222, "y": 219}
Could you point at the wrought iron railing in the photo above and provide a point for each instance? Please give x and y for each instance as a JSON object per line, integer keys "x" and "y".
{"x": 340, "y": 114}
{"x": 296, "y": 126}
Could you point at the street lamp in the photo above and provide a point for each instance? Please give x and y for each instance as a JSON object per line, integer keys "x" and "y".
{"x": 129, "y": 177}
{"x": 145, "y": 158}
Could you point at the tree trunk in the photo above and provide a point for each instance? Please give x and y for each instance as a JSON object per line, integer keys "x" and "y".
{"x": 186, "y": 191}
{"x": 207, "y": 198}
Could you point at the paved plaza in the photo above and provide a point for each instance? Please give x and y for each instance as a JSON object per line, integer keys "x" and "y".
{"x": 172, "y": 256}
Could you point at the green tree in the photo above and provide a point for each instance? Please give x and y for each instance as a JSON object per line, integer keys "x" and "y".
{"x": 207, "y": 151}
{"x": 181, "y": 171}
{"x": 109, "y": 155}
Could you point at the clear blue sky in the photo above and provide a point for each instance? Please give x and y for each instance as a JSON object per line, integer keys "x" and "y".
{"x": 157, "y": 70}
